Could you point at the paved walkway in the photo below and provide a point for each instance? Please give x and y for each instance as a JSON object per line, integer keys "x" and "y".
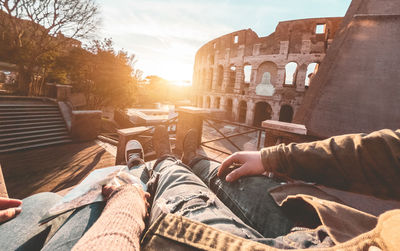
{"x": 51, "y": 169}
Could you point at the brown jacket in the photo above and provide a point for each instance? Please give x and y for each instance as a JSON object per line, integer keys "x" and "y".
{"x": 358, "y": 179}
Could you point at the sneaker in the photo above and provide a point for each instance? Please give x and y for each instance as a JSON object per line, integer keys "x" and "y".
{"x": 190, "y": 144}
{"x": 161, "y": 141}
{"x": 134, "y": 154}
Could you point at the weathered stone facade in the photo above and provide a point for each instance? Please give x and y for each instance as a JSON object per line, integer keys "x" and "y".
{"x": 256, "y": 78}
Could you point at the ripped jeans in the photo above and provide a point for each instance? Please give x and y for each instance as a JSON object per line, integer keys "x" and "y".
{"x": 243, "y": 208}
{"x": 239, "y": 208}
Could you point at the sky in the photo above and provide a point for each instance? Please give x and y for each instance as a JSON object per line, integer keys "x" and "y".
{"x": 165, "y": 34}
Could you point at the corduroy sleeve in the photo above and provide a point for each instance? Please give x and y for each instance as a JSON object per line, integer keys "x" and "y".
{"x": 120, "y": 225}
{"x": 368, "y": 164}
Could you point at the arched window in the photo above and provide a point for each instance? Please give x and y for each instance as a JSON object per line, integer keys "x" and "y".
{"x": 311, "y": 71}
{"x": 208, "y": 102}
{"x": 290, "y": 73}
{"x": 220, "y": 75}
{"x": 286, "y": 113}
{"x": 247, "y": 73}
{"x": 242, "y": 111}
{"x": 232, "y": 78}
{"x": 211, "y": 75}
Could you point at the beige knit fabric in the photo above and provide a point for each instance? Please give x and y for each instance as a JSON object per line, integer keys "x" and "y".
{"x": 120, "y": 225}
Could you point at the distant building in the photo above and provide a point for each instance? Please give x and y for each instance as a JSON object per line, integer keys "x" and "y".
{"x": 255, "y": 78}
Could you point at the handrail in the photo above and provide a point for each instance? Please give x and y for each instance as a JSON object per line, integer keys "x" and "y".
{"x": 253, "y": 129}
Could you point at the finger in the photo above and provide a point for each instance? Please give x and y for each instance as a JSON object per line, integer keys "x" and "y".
{"x": 227, "y": 163}
{"x": 107, "y": 191}
{"x": 147, "y": 195}
{"x": 8, "y": 203}
{"x": 237, "y": 173}
{"x": 8, "y": 214}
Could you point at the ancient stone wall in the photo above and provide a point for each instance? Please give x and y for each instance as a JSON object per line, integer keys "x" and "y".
{"x": 255, "y": 78}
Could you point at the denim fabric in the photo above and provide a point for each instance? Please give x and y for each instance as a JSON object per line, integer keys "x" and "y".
{"x": 182, "y": 193}
{"x": 75, "y": 227}
{"x": 24, "y": 231}
{"x": 243, "y": 208}
{"x": 248, "y": 198}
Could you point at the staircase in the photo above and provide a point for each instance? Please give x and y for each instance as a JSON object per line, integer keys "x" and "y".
{"x": 31, "y": 125}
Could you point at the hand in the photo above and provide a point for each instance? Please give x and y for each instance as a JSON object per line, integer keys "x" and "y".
{"x": 250, "y": 161}
{"x": 9, "y": 208}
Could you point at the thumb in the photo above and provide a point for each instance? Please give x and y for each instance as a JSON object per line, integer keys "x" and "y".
{"x": 8, "y": 214}
{"x": 237, "y": 173}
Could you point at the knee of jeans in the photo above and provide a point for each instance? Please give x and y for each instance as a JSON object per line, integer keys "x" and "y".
{"x": 45, "y": 199}
{"x": 184, "y": 204}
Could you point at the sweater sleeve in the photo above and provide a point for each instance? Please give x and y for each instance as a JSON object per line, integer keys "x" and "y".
{"x": 368, "y": 164}
{"x": 120, "y": 225}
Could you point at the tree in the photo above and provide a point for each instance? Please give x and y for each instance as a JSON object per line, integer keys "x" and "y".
{"x": 103, "y": 75}
{"x": 34, "y": 32}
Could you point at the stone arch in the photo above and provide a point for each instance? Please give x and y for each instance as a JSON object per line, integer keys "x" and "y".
{"x": 220, "y": 75}
{"x": 229, "y": 108}
{"x": 286, "y": 114}
{"x": 247, "y": 69}
{"x": 203, "y": 79}
{"x": 290, "y": 73}
{"x": 311, "y": 71}
{"x": 232, "y": 78}
{"x": 262, "y": 111}
{"x": 217, "y": 102}
{"x": 270, "y": 67}
{"x": 210, "y": 80}
{"x": 200, "y": 101}
{"x": 242, "y": 111}
{"x": 208, "y": 102}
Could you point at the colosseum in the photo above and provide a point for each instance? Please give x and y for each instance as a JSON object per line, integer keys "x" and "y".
{"x": 254, "y": 78}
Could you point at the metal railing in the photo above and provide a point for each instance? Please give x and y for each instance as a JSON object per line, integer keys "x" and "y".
{"x": 216, "y": 124}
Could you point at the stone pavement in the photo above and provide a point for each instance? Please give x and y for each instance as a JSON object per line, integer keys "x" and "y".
{"x": 51, "y": 169}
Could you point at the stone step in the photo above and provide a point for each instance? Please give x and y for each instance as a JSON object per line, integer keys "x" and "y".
{"x": 31, "y": 124}
{"x": 27, "y": 105}
{"x": 31, "y": 146}
{"x": 23, "y": 109}
{"x": 32, "y": 131}
{"x": 28, "y": 128}
{"x": 29, "y": 116}
{"x": 19, "y": 121}
{"x": 32, "y": 142}
{"x": 40, "y": 135}
{"x": 12, "y": 113}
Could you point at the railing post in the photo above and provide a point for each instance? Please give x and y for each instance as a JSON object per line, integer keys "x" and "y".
{"x": 188, "y": 118}
{"x": 277, "y": 132}
{"x": 124, "y": 135}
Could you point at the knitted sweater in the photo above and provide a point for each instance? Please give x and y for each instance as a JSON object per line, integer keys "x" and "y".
{"x": 120, "y": 225}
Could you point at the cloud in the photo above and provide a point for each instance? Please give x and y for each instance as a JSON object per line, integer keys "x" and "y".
{"x": 165, "y": 34}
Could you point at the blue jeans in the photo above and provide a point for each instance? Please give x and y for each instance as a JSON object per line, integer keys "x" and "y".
{"x": 243, "y": 208}
{"x": 25, "y": 233}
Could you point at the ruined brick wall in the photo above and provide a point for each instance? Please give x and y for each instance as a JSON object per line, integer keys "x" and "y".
{"x": 252, "y": 78}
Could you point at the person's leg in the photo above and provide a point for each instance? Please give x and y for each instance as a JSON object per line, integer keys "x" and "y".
{"x": 181, "y": 192}
{"x": 75, "y": 227}
{"x": 248, "y": 198}
{"x": 24, "y": 232}
{"x": 83, "y": 218}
